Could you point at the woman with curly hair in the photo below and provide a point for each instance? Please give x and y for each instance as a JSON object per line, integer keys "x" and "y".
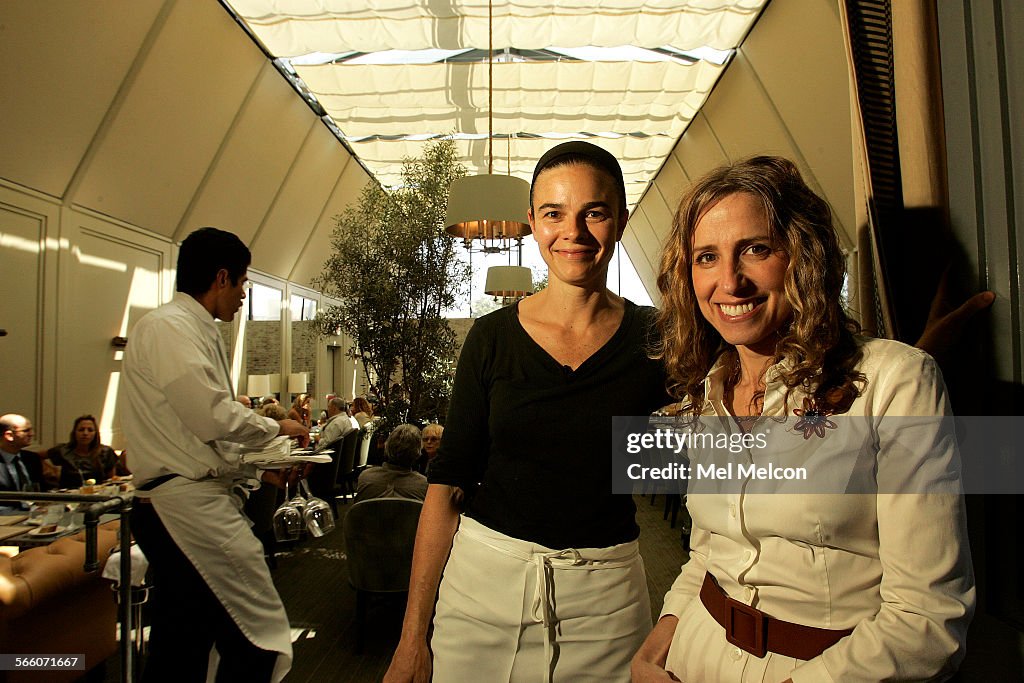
{"x": 83, "y": 457}
{"x": 809, "y": 586}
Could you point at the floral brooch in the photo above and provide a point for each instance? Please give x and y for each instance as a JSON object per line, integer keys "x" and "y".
{"x": 813, "y": 420}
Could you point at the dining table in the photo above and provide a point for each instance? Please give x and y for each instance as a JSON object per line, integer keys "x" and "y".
{"x": 44, "y": 525}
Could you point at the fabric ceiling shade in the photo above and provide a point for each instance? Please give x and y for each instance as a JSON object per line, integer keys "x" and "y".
{"x": 503, "y": 199}
{"x": 628, "y": 75}
{"x": 509, "y": 281}
{"x": 299, "y": 28}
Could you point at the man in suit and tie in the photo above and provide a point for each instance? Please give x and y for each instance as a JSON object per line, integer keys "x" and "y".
{"x": 20, "y": 470}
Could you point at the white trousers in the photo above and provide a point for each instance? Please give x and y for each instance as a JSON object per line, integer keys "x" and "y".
{"x": 511, "y": 610}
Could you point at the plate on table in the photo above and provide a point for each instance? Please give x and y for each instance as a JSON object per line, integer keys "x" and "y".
{"x": 43, "y": 534}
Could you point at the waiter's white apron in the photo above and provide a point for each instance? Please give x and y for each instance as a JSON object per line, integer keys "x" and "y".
{"x": 206, "y": 520}
{"x": 511, "y": 610}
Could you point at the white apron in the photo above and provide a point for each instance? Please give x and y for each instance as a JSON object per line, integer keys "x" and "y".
{"x": 205, "y": 519}
{"x": 511, "y": 610}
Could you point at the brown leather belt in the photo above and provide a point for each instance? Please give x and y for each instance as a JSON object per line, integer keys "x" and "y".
{"x": 758, "y": 633}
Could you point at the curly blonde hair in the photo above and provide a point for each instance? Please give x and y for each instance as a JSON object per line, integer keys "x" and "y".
{"x": 818, "y": 342}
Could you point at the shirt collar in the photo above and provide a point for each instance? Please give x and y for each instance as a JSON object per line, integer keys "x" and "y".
{"x": 714, "y": 385}
{"x": 188, "y": 302}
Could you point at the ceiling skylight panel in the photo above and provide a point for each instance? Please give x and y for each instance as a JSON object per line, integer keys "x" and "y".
{"x": 297, "y": 27}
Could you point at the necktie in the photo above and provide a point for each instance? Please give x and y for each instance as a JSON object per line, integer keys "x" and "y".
{"x": 12, "y": 473}
{"x": 20, "y": 476}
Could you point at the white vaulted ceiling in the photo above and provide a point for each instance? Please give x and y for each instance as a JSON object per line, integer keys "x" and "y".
{"x": 166, "y": 115}
{"x": 392, "y": 74}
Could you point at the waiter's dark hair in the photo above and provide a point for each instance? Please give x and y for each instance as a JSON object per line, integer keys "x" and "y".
{"x": 206, "y": 251}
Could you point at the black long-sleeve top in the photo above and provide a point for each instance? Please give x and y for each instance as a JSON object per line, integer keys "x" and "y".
{"x": 530, "y": 441}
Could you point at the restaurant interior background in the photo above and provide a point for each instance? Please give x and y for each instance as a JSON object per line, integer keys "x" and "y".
{"x": 126, "y": 124}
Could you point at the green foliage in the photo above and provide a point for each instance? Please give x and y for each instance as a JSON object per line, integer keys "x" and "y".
{"x": 395, "y": 271}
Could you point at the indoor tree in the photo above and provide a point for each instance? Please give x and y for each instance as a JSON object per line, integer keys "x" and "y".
{"x": 395, "y": 270}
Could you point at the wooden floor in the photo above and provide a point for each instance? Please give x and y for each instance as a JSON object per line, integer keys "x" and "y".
{"x": 313, "y": 584}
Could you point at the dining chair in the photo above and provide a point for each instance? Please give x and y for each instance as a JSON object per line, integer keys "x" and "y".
{"x": 324, "y": 476}
{"x": 379, "y": 537}
{"x": 347, "y": 473}
{"x": 365, "y": 439}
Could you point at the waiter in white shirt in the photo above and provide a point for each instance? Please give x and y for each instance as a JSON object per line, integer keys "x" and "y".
{"x": 182, "y": 426}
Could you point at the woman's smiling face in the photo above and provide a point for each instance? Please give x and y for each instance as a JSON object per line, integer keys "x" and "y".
{"x": 576, "y": 219}
{"x": 739, "y": 275}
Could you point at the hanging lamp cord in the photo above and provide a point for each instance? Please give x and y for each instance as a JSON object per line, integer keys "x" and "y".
{"x": 490, "y": 86}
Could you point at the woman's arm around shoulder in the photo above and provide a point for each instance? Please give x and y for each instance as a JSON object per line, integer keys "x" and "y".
{"x": 438, "y": 521}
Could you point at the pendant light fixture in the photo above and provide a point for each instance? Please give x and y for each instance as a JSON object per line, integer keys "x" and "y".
{"x": 489, "y": 209}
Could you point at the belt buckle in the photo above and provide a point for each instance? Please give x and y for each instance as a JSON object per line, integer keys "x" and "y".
{"x": 744, "y": 627}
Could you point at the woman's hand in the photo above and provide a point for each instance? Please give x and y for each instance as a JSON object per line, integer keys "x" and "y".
{"x": 647, "y": 672}
{"x": 649, "y": 662}
{"x": 411, "y": 663}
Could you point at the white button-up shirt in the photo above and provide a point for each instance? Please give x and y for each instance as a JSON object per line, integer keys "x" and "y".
{"x": 177, "y": 407}
{"x": 895, "y": 567}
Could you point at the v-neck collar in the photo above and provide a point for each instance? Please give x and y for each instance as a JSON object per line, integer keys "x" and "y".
{"x": 593, "y": 359}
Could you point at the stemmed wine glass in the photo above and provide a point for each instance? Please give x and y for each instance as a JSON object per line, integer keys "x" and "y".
{"x": 288, "y": 520}
{"x": 318, "y": 515}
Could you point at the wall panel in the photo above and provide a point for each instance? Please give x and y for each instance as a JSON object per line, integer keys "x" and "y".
{"x": 809, "y": 89}
{"x": 658, "y": 213}
{"x": 317, "y": 248}
{"x": 174, "y": 116}
{"x": 28, "y": 241}
{"x": 254, "y": 160}
{"x": 671, "y": 182}
{"x": 699, "y": 150}
{"x": 111, "y": 276}
{"x": 64, "y": 62}
{"x": 299, "y": 203}
{"x": 983, "y": 68}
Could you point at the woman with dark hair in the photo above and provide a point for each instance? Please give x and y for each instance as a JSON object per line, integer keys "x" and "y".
{"x": 810, "y": 586}
{"x": 544, "y": 580}
{"x": 83, "y": 457}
